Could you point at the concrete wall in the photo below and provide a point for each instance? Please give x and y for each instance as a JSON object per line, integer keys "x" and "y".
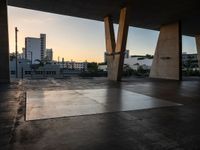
{"x": 4, "y": 46}
{"x": 198, "y": 48}
{"x": 167, "y": 58}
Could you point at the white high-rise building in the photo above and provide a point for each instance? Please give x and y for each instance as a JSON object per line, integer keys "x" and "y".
{"x": 35, "y": 48}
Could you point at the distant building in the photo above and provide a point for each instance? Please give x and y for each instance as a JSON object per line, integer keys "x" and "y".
{"x": 21, "y": 64}
{"x": 32, "y": 48}
{"x": 134, "y": 62}
{"x": 35, "y": 48}
{"x": 43, "y": 45}
{"x": 190, "y": 60}
{"x": 103, "y": 67}
{"x": 72, "y": 65}
{"x": 49, "y": 54}
{"x": 26, "y": 70}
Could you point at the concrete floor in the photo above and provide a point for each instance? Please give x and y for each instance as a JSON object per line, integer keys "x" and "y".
{"x": 174, "y": 127}
{"x": 44, "y": 104}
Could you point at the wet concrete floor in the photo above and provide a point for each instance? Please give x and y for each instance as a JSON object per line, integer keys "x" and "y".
{"x": 66, "y": 103}
{"x": 162, "y": 128}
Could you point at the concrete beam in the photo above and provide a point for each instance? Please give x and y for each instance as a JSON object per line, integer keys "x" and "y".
{"x": 198, "y": 48}
{"x": 167, "y": 59}
{"x": 4, "y": 44}
{"x": 115, "y": 51}
{"x": 149, "y": 14}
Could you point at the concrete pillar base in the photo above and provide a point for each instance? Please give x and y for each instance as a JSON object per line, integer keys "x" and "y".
{"x": 168, "y": 55}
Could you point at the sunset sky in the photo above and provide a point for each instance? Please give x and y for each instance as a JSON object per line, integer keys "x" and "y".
{"x": 78, "y": 39}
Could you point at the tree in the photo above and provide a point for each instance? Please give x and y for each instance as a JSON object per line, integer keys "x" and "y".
{"x": 92, "y": 67}
{"x": 37, "y": 66}
{"x": 149, "y": 56}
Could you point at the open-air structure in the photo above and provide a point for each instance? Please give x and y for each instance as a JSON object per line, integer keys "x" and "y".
{"x": 99, "y": 114}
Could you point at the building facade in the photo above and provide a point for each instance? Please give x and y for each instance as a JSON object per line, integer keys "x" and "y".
{"x": 72, "y": 65}
{"x": 190, "y": 61}
{"x": 134, "y": 62}
{"x": 43, "y": 45}
{"x": 35, "y": 48}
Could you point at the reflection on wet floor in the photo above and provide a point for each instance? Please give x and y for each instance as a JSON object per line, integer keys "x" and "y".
{"x": 53, "y": 104}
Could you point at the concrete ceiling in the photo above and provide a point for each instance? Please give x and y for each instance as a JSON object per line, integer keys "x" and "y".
{"x": 149, "y": 14}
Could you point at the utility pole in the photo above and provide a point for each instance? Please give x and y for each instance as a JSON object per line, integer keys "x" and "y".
{"x": 16, "y": 53}
{"x": 63, "y": 62}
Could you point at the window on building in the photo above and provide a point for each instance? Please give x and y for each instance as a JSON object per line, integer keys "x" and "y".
{"x": 27, "y": 72}
{"x": 12, "y": 72}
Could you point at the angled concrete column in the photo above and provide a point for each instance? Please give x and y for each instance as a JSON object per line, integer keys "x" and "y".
{"x": 115, "y": 51}
{"x": 110, "y": 46}
{"x": 198, "y": 48}
{"x": 167, "y": 59}
{"x": 4, "y": 46}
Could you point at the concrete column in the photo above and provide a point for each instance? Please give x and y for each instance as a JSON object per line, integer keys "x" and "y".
{"x": 110, "y": 45}
{"x": 4, "y": 44}
{"x": 167, "y": 63}
{"x": 115, "y": 51}
{"x": 198, "y": 48}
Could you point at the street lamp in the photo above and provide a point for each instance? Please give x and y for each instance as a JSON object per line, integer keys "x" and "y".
{"x": 31, "y": 61}
{"x": 16, "y": 53}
